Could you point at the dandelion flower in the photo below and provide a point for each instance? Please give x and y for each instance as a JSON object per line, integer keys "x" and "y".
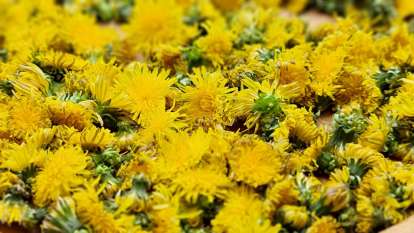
{"x": 242, "y": 212}
{"x": 158, "y": 124}
{"x": 326, "y": 68}
{"x": 13, "y": 212}
{"x": 145, "y": 90}
{"x": 61, "y": 173}
{"x": 191, "y": 147}
{"x": 326, "y": 224}
{"x": 69, "y": 114}
{"x": 157, "y": 22}
{"x": 207, "y": 99}
{"x": 255, "y": 164}
{"x": 91, "y": 211}
{"x": 93, "y": 138}
{"x": 26, "y": 116}
{"x": 217, "y": 43}
{"x": 198, "y": 182}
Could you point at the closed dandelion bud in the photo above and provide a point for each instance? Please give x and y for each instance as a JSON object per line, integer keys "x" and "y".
{"x": 337, "y": 196}
{"x": 295, "y": 216}
{"x": 62, "y": 218}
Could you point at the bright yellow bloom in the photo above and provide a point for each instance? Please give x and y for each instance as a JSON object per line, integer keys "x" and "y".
{"x": 207, "y": 100}
{"x": 217, "y": 44}
{"x": 404, "y": 7}
{"x": 86, "y": 36}
{"x": 69, "y": 114}
{"x": 255, "y": 163}
{"x": 91, "y": 211}
{"x": 26, "y": 116}
{"x": 326, "y": 68}
{"x": 282, "y": 192}
{"x": 326, "y": 224}
{"x": 242, "y": 212}
{"x": 227, "y": 5}
{"x": 191, "y": 149}
{"x": 198, "y": 182}
{"x": 7, "y": 180}
{"x": 62, "y": 172}
{"x": 157, "y": 22}
{"x": 31, "y": 80}
{"x": 93, "y": 138}
{"x": 19, "y": 157}
{"x": 166, "y": 221}
{"x": 158, "y": 124}
{"x": 295, "y": 216}
{"x": 144, "y": 90}
{"x": 375, "y": 135}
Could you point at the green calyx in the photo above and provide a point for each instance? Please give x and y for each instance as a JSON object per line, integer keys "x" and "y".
{"x": 267, "y": 103}
{"x": 327, "y": 162}
{"x": 348, "y": 126}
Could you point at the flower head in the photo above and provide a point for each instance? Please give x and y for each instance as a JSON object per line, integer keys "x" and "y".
{"x": 62, "y": 171}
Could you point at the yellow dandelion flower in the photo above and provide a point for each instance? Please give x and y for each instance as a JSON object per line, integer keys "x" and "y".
{"x": 144, "y": 90}
{"x": 358, "y": 87}
{"x": 68, "y": 113}
{"x": 207, "y": 99}
{"x": 358, "y": 152}
{"x": 93, "y": 138}
{"x": 402, "y": 104}
{"x": 281, "y": 31}
{"x": 198, "y": 182}
{"x": 326, "y": 68}
{"x": 300, "y": 124}
{"x": 282, "y": 192}
{"x": 365, "y": 212}
{"x": 268, "y": 3}
{"x": 296, "y": 6}
{"x": 158, "y": 124}
{"x": 85, "y": 35}
{"x": 19, "y": 157}
{"x": 12, "y": 212}
{"x": 157, "y": 22}
{"x": 26, "y": 116}
{"x": 326, "y": 224}
{"x": 31, "y": 80}
{"x": 255, "y": 163}
{"x": 293, "y": 71}
{"x": 4, "y": 116}
{"x": 7, "y": 180}
{"x": 91, "y": 211}
{"x": 256, "y": 98}
{"x": 191, "y": 147}
{"x": 295, "y": 216}
{"x": 337, "y": 195}
{"x": 56, "y": 60}
{"x": 242, "y": 212}
{"x": 218, "y": 42}
{"x": 61, "y": 173}
{"x": 101, "y": 80}
{"x": 166, "y": 220}
{"x": 376, "y": 133}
